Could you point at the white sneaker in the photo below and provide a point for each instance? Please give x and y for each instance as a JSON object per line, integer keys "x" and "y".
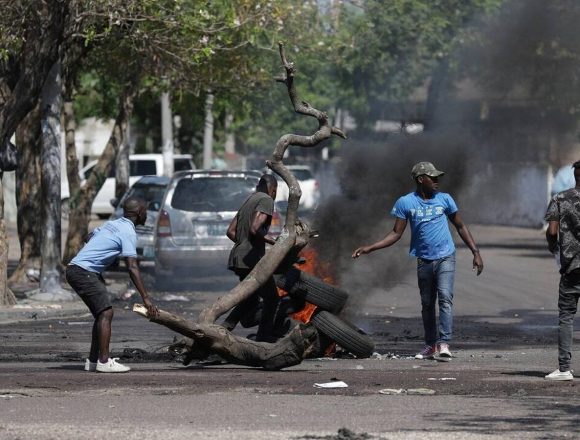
{"x": 560, "y": 375}
{"x": 111, "y": 366}
{"x": 444, "y": 350}
{"x": 90, "y": 366}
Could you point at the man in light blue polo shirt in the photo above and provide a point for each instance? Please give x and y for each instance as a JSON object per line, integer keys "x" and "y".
{"x": 427, "y": 210}
{"x": 116, "y": 238}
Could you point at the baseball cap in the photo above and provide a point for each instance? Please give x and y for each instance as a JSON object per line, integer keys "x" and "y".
{"x": 427, "y": 168}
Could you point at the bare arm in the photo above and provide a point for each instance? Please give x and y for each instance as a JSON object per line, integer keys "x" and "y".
{"x": 391, "y": 238}
{"x": 465, "y": 235}
{"x": 552, "y": 235}
{"x": 135, "y": 274}
{"x": 257, "y": 228}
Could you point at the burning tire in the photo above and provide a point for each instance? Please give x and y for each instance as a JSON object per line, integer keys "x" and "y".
{"x": 344, "y": 334}
{"x": 313, "y": 290}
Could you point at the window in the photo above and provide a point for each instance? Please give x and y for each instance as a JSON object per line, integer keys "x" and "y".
{"x": 142, "y": 168}
{"x": 181, "y": 164}
{"x": 212, "y": 193}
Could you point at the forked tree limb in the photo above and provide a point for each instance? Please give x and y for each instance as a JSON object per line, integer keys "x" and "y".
{"x": 304, "y": 340}
{"x": 300, "y": 343}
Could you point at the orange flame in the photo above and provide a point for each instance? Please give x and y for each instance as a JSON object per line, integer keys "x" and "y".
{"x": 315, "y": 267}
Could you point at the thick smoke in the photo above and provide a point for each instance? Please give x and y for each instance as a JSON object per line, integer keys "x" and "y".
{"x": 372, "y": 177}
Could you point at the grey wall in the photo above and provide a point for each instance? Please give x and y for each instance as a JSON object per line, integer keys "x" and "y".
{"x": 507, "y": 194}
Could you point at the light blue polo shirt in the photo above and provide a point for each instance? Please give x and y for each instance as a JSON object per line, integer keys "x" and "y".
{"x": 116, "y": 238}
{"x": 430, "y": 235}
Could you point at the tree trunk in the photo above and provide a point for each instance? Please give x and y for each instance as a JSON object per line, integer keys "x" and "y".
{"x": 81, "y": 210}
{"x": 208, "y": 132}
{"x": 39, "y": 52}
{"x": 28, "y": 195}
{"x": 50, "y": 249}
{"x": 300, "y": 343}
{"x": 7, "y": 298}
{"x": 122, "y": 169}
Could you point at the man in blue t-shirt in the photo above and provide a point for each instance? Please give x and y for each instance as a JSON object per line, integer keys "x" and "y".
{"x": 427, "y": 210}
{"x": 116, "y": 238}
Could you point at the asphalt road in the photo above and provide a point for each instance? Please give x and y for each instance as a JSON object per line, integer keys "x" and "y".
{"x": 505, "y": 342}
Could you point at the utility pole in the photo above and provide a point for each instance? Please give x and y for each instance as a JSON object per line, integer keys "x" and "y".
{"x": 208, "y": 132}
{"x": 166, "y": 135}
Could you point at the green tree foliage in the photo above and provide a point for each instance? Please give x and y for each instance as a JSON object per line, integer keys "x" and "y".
{"x": 385, "y": 50}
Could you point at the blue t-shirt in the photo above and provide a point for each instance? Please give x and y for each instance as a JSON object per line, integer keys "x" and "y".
{"x": 115, "y": 238}
{"x": 430, "y": 235}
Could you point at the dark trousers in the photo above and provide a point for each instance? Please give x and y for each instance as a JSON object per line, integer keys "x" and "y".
{"x": 270, "y": 305}
{"x": 569, "y": 291}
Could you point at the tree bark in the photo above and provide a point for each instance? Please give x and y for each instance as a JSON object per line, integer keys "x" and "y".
{"x": 28, "y": 195}
{"x": 50, "y": 171}
{"x": 44, "y": 33}
{"x": 7, "y": 298}
{"x": 82, "y": 199}
{"x": 301, "y": 342}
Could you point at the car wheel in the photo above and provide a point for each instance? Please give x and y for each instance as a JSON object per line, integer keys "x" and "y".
{"x": 344, "y": 334}
{"x": 311, "y": 289}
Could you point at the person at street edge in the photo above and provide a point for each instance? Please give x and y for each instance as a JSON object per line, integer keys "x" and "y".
{"x": 115, "y": 238}
{"x": 563, "y": 237}
{"x": 427, "y": 210}
{"x": 249, "y": 231}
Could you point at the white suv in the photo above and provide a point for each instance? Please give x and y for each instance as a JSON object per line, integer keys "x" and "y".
{"x": 308, "y": 185}
{"x": 139, "y": 165}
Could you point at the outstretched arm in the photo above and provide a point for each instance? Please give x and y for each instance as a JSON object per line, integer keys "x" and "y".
{"x": 465, "y": 235}
{"x": 391, "y": 238}
{"x": 135, "y": 274}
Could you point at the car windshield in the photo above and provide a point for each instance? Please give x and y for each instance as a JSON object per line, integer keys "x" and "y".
{"x": 212, "y": 193}
{"x": 149, "y": 193}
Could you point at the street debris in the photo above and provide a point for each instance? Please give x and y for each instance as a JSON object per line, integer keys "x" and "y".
{"x": 173, "y": 297}
{"x": 334, "y": 384}
{"x": 343, "y": 434}
{"x": 383, "y": 357}
{"x": 409, "y": 391}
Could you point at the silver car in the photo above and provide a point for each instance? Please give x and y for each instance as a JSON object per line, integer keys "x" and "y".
{"x": 150, "y": 189}
{"x": 190, "y": 234}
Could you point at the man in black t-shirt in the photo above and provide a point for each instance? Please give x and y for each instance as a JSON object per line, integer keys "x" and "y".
{"x": 563, "y": 236}
{"x": 249, "y": 231}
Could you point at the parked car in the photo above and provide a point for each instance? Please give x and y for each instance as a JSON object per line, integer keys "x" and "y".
{"x": 308, "y": 184}
{"x": 150, "y": 189}
{"x": 190, "y": 234}
{"x": 139, "y": 165}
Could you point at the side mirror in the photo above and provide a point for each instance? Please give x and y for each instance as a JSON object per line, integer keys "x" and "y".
{"x": 114, "y": 202}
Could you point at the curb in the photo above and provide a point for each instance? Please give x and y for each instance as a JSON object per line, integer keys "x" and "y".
{"x": 34, "y": 312}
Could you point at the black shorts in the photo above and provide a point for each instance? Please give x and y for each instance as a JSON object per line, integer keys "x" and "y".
{"x": 90, "y": 286}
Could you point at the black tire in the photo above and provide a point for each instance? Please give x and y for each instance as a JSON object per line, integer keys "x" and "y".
{"x": 313, "y": 290}
{"x": 344, "y": 334}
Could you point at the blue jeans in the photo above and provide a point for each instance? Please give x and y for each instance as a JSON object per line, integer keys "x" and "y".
{"x": 567, "y": 304}
{"x": 436, "y": 283}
